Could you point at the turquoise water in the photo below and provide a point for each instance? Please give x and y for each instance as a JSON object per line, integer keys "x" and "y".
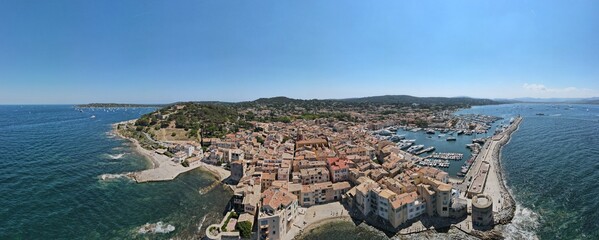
{"x": 552, "y": 167}
{"x": 50, "y": 161}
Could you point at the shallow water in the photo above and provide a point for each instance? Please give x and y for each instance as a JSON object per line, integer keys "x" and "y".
{"x": 51, "y": 158}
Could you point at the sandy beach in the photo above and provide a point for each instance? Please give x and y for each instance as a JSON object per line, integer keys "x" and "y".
{"x": 163, "y": 168}
{"x": 316, "y": 216}
{"x": 217, "y": 171}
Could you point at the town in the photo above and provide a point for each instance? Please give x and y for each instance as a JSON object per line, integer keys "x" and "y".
{"x": 281, "y": 171}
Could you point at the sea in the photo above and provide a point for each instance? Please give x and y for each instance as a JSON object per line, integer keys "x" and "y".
{"x": 551, "y": 166}
{"x": 52, "y": 157}
{"x": 51, "y": 160}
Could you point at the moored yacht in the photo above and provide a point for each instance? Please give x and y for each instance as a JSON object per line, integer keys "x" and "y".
{"x": 415, "y": 148}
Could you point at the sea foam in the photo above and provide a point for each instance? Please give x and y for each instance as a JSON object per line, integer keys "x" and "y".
{"x": 116, "y": 156}
{"x": 158, "y": 227}
{"x": 524, "y": 225}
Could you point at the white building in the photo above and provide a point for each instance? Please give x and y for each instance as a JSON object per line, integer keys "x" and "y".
{"x": 189, "y": 150}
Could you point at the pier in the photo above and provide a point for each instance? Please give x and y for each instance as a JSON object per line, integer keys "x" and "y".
{"x": 165, "y": 172}
{"x": 429, "y": 149}
{"x": 447, "y": 156}
{"x": 485, "y": 176}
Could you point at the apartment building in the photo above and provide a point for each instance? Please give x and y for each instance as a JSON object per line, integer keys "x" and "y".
{"x": 278, "y": 210}
{"x": 324, "y": 192}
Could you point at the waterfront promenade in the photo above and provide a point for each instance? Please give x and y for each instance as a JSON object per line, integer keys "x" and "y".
{"x": 493, "y": 184}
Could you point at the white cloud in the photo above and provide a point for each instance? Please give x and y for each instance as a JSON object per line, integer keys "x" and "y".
{"x": 535, "y": 87}
{"x": 540, "y": 90}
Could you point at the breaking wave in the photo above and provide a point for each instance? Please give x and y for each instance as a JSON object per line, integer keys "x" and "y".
{"x": 158, "y": 227}
{"x": 116, "y": 156}
{"x": 201, "y": 223}
{"x": 524, "y": 225}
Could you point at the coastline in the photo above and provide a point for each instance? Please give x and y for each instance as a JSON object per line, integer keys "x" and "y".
{"x": 498, "y": 187}
{"x": 314, "y": 225}
{"x": 500, "y": 173}
{"x": 149, "y": 155}
{"x": 504, "y": 205}
{"x": 163, "y": 169}
{"x": 316, "y": 216}
{"x": 503, "y": 202}
{"x": 161, "y": 166}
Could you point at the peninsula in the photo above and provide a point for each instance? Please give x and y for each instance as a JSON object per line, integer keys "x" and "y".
{"x": 295, "y": 164}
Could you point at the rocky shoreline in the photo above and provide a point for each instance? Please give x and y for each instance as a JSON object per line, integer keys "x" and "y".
{"x": 163, "y": 169}
{"x": 506, "y": 214}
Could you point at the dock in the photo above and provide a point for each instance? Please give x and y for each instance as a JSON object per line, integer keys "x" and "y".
{"x": 428, "y": 149}
{"x": 447, "y": 156}
{"x": 166, "y": 172}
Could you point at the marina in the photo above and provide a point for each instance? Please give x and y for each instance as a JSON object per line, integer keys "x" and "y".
{"x": 415, "y": 148}
{"x": 428, "y": 149}
{"x": 434, "y": 163}
{"x": 458, "y": 145}
{"x": 447, "y": 156}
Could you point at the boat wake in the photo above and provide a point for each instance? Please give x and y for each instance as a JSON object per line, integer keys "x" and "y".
{"x": 116, "y": 156}
{"x": 524, "y": 224}
{"x": 158, "y": 227}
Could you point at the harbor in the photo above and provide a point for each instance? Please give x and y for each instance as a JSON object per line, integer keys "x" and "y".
{"x": 452, "y": 150}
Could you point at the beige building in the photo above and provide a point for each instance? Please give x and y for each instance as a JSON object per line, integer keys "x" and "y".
{"x": 362, "y": 196}
{"x": 370, "y": 198}
{"x": 266, "y": 179}
{"x": 235, "y": 155}
{"x": 436, "y": 194}
{"x": 338, "y": 168}
{"x": 320, "y": 193}
{"x": 314, "y": 175}
{"x": 313, "y": 143}
{"x": 279, "y": 209}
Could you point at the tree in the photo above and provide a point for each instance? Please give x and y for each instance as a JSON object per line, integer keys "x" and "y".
{"x": 143, "y": 121}
{"x": 245, "y": 229}
{"x": 421, "y": 123}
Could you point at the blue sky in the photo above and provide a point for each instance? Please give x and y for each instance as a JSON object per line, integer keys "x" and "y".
{"x": 165, "y": 51}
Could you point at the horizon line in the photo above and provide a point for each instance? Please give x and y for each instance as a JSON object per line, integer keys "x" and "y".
{"x": 223, "y": 101}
